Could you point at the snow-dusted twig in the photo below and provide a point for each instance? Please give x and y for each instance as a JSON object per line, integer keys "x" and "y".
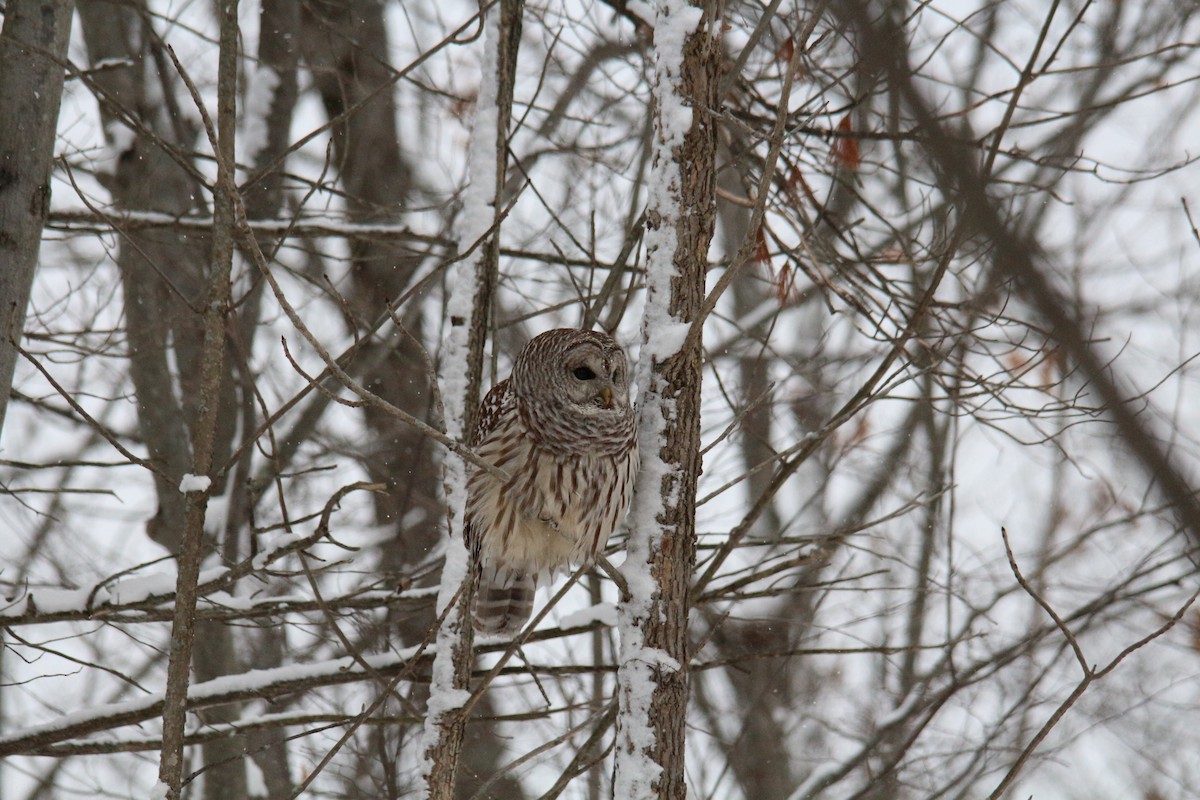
{"x": 226, "y": 689}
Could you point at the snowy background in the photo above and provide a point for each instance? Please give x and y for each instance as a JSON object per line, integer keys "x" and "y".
{"x": 863, "y": 634}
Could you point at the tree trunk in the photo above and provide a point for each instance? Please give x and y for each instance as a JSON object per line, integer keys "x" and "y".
{"x": 458, "y": 757}
{"x": 35, "y": 34}
{"x": 662, "y": 547}
{"x": 165, "y": 279}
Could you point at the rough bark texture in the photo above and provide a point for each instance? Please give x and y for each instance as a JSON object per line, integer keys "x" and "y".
{"x": 672, "y": 563}
{"x": 31, "y": 81}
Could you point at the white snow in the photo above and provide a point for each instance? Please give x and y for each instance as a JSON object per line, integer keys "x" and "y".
{"x": 318, "y": 223}
{"x": 216, "y": 514}
{"x": 666, "y": 339}
{"x": 250, "y": 682}
{"x": 273, "y": 545}
{"x": 124, "y": 591}
{"x": 256, "y": 783}
{"x": 194, "y": 483}
{"x": 111, "y": 62}
{"x": 636, "y": 770}
{"x": 604, "y": 613}
{"x": 447, "y": 700}
{"x": 120, "y": 138}
{"x": 476, "y": 219}
{"x": 413, "y": 517}
{"x": 132, "y": 589}
{"x": 662, "y": 336}
{"x": 640, "y": 7}
{"x": 137, "y": 588}
{"x": 47, "y": 601}
{"x": 260, "y": 94}
{"x": 673, "y": 23}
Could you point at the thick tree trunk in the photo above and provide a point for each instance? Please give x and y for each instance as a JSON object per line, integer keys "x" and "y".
{"x": 31, "y": 81}
{"x": 460, "y": 758}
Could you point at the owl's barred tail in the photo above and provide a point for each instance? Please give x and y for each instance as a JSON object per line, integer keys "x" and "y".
{"x": 503, "y": 603}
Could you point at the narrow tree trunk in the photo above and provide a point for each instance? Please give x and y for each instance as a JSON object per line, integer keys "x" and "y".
{"x": 189, "y": 408}
{"x": 662, "y": 547}
{"x": 31, "y": 81}
{"x": 227, "y": 780}
{"x": 469, "y": 304}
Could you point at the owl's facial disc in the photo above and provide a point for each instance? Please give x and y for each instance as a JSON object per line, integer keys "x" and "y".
{"x": 594, "y": 381}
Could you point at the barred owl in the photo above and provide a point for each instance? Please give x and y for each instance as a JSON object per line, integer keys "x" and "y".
{"x": 563, "y": 430}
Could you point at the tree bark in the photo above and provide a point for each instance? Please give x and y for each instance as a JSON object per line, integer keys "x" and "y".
{"x": 680, "y": 221}
{"x": 187, "y": 413}
{"x": 33, "y": 40}
{"x": 226, "y": 779}
{"x": 458, "y": 758}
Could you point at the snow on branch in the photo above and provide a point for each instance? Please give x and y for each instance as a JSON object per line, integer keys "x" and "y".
{"x": 226, "y": 689}
{"x": 441, "y": 738}
{"x": 644, "y": 666}
{"x": 129, "y": 592}
{"x": 194, "y": 483}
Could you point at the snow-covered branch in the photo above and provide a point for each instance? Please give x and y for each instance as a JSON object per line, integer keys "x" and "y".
{"x": 218, "y": 691}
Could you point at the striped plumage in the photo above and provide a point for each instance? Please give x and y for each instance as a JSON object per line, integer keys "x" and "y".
{"x": 563, "y": 430}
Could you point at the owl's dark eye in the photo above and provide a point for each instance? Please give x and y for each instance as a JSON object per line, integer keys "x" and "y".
{"x": 583, "y": 373}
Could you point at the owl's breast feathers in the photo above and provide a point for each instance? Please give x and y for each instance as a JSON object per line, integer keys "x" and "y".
{"x": 558, "y": 506}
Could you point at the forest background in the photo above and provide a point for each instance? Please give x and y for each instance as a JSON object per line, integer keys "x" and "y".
{"x": 913, "y": 290}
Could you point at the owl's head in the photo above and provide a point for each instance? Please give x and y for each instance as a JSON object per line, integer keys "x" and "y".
{"x": 585, "y": 370}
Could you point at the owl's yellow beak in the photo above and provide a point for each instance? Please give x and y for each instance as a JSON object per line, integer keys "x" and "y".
{"x": 607, "y": 396}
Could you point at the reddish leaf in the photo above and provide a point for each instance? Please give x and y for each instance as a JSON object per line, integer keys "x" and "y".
{"x": 845, "y": 147}
{"x": 761, "y": 254}
{"x": 783, "y": 284}
{"x": 786, "y": 50}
